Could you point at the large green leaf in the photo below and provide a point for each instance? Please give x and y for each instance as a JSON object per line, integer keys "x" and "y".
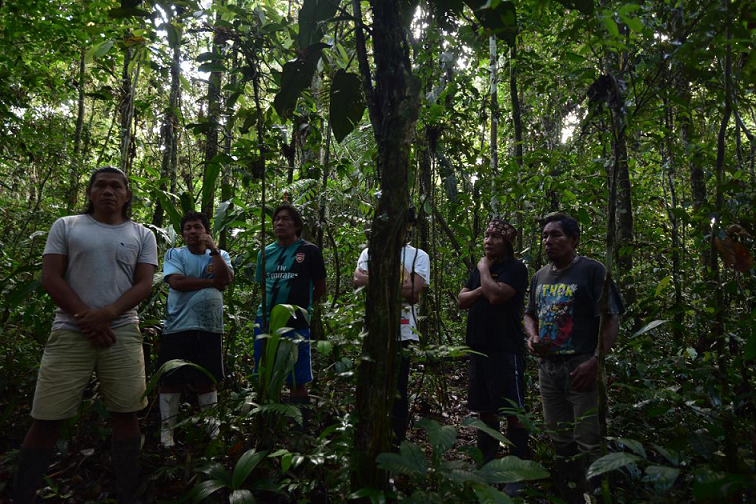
{"x": 125, "y": 12}
{"x": 648, "y": 327}
{"x": 246, "y": 464}
{"x": 481, "y": 426}
{"x": 663, "y": 477}
{"x": 511, "y": 469}
{"x": 311, "y": 19}
{"x": 204, "y": 490}
{"x": 98, "y": 51}
{"x": 487, "y": 494}
{"x": 187, "y": 203}
{"x": 499, "y": 18}
{"x": 296, "y": 77}
{"x": 212, "y": 170}
{"x": 441, "y": 437}
{"x": 410, "y": 460}
{"x": 611, "y": 462}
{"x": 242, "y": 496}
{"x": 170, "y": 366}
{"x": 219, "y": 220}
{"x": 347, "y": 103}
{"x": 170, "y": 209}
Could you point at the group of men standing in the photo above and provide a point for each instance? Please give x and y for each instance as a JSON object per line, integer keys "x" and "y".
{"x": 98, "y": 266}
{"x": 561, "y": 327}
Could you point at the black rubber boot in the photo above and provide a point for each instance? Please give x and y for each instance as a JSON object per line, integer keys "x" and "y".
{"x": 487, "y": 444}
{"x": 519, "y": 438}
{"x": 126, "y": 468}
{"x": 30, "y": 471}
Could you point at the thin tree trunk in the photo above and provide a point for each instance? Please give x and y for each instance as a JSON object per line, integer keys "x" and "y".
{"x": 170, "y": 140}
{"x": 517, "y": 119}
{"x": 127, "y": 99}
{"x": 76, "y": 161}
{"x": 494, "y": 105}
{"x": 227, "y": 189}
{"x": 213, "y": 120}
{"x": 720, "y": 304}
{"x": 394, "y": 106}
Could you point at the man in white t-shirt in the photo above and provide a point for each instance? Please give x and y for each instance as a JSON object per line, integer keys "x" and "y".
{"x": 415, "y": 277}
{"x": 97, "y": 267}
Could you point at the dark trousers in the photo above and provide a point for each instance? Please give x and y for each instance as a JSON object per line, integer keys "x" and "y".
{"x": 400, "y": 413}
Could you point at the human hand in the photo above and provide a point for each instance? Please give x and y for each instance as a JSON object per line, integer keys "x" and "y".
{"x": 538, "y": 346}
{"x": 94, "y": 320}
{"x": 101, "y": 339}
{"x": 220, "y": 285}
{"x": 207, "y": 240}
{"x": 484, "y": 263}
{"x": 585, "y": 375}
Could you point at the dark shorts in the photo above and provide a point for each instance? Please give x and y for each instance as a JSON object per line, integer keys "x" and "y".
{"x": 303, "y": 366}
{"x": 494, "y": 379}
{"x": 200, "y": 347}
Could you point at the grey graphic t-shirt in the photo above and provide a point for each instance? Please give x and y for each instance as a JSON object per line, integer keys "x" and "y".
{"x": 101, "y": 262}
{"x": 567, "y": 305}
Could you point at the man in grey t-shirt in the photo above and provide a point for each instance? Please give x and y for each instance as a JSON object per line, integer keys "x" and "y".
{"x": 97, "y": 267}
{"x": 562, "y": 326}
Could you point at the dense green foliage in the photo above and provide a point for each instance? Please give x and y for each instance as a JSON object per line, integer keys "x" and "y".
{"x": 658, "y": 96}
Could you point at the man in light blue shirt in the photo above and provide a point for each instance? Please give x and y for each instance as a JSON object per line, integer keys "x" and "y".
{"x": 197, "y": 274}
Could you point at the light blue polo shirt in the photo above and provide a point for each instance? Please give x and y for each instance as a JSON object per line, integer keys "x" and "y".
{"x": 199, "y": 310}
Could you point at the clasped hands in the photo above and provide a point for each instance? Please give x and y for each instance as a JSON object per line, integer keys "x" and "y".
{"x": 95, "y": 324}
{"x": 584, "y": 375}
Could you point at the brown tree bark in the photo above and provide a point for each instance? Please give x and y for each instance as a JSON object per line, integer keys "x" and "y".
{"x": 393, "y": 107}
{"x": 517, "y": 119}
{"x": 213, "y": 120}
{"x": 170, "y": 140}
{"x": 76, "y": 161}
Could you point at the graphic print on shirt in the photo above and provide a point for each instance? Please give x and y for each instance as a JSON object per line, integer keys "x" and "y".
{"x": 556, "y": 315}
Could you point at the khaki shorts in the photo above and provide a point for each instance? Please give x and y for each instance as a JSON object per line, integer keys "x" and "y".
{"x": 66, "y": 369}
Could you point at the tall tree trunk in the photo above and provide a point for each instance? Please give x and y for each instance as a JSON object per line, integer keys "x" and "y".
{"x": 394, "y": 106}
{"x": 73, "y": 195}
{"x": 170, "y": 139}
{"x": 494, "y": 106}
{"x": 126, "y": 107}
{"x": 227, "y": 189}
{"x": 211, "y": 135}
{"x": 517, "y": 119}
{"x": 719, "y": 298}
{"x": 669, "y": 165}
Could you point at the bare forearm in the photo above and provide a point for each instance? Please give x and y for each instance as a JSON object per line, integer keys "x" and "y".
{"x": 185, "y": 284}
{"x": 495, "y": 292}
{"x": 411, "y": 290}
{"x": 467, "y": 298}
{"x": 531, "y": 326}
{"x": 130, "y": 298}
{"x": 63, "y": 295}
{"x": 221, "y": 271}
{"x": 360, "y": 278}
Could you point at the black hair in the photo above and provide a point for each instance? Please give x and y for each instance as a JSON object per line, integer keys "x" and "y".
{"x": 568, "y": 224}
{"x": 126, "y": 210}
{"x": 293, "y": 213}
{"x": 193, "y": 216}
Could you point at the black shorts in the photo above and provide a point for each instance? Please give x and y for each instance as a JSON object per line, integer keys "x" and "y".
{"x": 494, "y": 379}
{"x": 200, "y": 347}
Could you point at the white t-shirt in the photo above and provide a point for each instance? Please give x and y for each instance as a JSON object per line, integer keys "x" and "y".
{"x": 416, "y": 261}
{"x": 101, "y": 262}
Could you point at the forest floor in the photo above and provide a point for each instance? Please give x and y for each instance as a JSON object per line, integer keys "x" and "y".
{"x": 81, "y": 471}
